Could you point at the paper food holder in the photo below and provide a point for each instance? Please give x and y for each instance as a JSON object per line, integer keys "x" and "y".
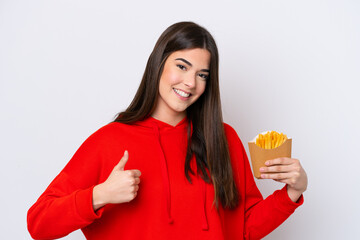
{"x": 260, "y": 155}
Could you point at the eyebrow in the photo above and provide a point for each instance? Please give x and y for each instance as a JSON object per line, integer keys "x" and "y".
{"x": 189, "y": 63}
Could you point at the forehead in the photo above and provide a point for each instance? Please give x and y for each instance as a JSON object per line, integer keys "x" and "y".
{"x": 198, "y": 57}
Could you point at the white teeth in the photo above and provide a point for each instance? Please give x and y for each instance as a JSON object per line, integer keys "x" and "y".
{"x": 181, "y": 93}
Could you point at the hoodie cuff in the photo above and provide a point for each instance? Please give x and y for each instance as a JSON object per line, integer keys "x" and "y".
{"x": 84, "y": 205}
{"x": 284, "y": 203}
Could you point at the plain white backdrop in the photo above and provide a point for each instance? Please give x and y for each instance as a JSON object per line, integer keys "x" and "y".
{"x": 67, "y": 67}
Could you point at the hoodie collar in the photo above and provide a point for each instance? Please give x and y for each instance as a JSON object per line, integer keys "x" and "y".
{"x": 163, "y": 126}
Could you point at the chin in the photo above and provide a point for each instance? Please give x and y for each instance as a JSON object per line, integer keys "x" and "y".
{"x": 180, "y": 109}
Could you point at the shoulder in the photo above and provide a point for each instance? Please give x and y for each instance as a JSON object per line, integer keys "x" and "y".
{"x": 110, "y": 128}
{"x": 228, "y": 128}
{"x": 109, "y": 132}
{"x": 105, "y": 131}
{"x": 238, "y": 156}
{"x": 234, "y": 142}
{"x": 230, "y": 133}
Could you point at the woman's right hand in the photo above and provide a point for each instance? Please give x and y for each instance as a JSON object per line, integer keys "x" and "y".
{"x": 121, "y": 186}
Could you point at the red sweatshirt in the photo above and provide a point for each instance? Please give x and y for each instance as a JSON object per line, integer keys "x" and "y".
{"x": 167, "y": 205}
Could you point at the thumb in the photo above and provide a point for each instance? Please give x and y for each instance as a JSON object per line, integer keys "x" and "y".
{"x": 120, "y": 166}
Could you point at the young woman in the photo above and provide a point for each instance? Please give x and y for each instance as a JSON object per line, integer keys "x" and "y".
{"x": 196, "y": 182}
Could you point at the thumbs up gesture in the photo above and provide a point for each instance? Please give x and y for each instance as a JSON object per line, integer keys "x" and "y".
{"x": 121, "y": 185}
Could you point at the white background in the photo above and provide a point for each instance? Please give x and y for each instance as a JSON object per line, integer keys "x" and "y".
{"x": 67, "y": 67}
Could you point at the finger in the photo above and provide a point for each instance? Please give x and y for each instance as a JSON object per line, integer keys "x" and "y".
{"x": 137, "y": 181}
{"x": 276, "y": 176}
{"x": 121, "y": 165}
{"x": 134, "y": 173}
{"x": 282, "y": 180}
{"x": 277, "y": 168}
{"x": 287, "y": 181}
{"x": 133, "y": 181}
{"x": 276, "y": 161}
{"x": 134, "y": 189}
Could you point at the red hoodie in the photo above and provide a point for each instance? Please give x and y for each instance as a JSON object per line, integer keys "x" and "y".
{"x": 167, "y": 205}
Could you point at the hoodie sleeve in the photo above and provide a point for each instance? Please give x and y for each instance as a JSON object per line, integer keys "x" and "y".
{"x": 261, "y": 216}
{"x": 66, "y": 205}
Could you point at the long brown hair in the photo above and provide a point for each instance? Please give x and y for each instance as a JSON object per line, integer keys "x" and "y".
{"x": 206, "y": 140}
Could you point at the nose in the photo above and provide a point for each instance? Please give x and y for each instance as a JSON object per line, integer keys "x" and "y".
{"x": 190, "y": 81}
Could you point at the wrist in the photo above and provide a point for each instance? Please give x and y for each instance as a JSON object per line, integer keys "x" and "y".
{"x": 293, "y": 194}
{"x": 97, "y": 198}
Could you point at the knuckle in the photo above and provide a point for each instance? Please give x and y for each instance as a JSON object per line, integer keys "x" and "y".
{"x": 132, "y": 196}
{"x": 127, "y": 198}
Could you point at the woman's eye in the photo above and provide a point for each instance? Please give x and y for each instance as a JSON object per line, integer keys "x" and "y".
{"x": 182, "y": 67}
{"x": 204, "y": 76}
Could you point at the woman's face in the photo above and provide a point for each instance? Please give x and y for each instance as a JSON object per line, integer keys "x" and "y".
{"x": 182, "y": 82}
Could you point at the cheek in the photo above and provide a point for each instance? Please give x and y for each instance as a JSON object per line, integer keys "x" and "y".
{"x": 201, "y": 88}
{"x": 170, "y": 77}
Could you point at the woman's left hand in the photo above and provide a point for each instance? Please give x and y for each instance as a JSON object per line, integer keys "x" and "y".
{"x": 289, "y": 171}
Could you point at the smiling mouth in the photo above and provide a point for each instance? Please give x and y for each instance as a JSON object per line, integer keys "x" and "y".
{"x": 182, "y": 93}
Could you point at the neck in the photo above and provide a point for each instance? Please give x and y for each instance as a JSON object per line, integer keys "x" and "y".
{"x": 170, "y": 119}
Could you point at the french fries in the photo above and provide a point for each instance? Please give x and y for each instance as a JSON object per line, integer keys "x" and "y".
{"x": 270, "y": 140}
